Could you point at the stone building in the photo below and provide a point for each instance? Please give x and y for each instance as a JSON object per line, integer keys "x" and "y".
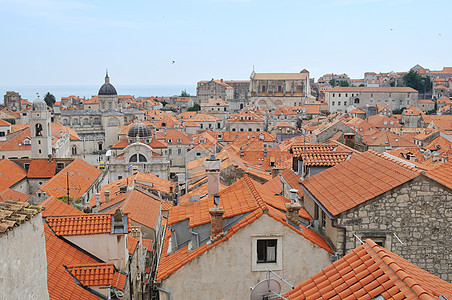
{"x": 235, "y": 92}
{"x": 98, "y": 128}
{"x": 23, "y": 265}
{"x": 12, "y": 101}
{"x": 272, "y": 90}
{"x": 339, "y": 98}
{"x": 379, "y": 197}
{"x": 246, "y": 120}
{"x": 139, "y": 151}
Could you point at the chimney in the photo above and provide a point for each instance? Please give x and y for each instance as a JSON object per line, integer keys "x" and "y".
{"x": 97, "y": 196}
{"x": 242, "y": 152}
{"x": 213, "y": 166}
{"x": 275, "y": 172}
{"x": 293, "y": 208}
{"x": 216, "y": 220}
{"x": 107, "y": 196}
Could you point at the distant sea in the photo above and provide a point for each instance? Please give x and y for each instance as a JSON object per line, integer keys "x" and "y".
{"x": 87, "y": 91}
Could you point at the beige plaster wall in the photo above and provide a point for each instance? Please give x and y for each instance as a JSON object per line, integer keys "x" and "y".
{"x": 23, "y": 264}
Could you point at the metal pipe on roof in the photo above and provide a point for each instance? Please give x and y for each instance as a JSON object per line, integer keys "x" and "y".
{"x": 168, "y": 294}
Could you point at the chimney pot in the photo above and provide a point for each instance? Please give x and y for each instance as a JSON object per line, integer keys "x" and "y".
{"x": 107, "y": 196}
{"x": 292, "y": 212}
{"x": 293, "y": 195}
{"x": 216, "y": 223}
{"x": 213, "y": 167}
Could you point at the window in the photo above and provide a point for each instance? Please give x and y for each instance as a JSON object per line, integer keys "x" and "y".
{"x": 356, "y": 100}
{"x": 2, "y": 133}
{"x": 263, "y": 88}
{"x": 316, "y": 212}
{"x": 266, "y": 251}
{"x": 170, "y": 151}
{"x": 279, "y": 88}
{"x": 332, "y": 103}
{"x": 338, "y": 103}
{"x": 179, "y": 151}
{"x": 323, "y": 219}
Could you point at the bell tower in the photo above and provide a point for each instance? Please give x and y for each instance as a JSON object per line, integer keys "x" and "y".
{"x": 41, "y": 142}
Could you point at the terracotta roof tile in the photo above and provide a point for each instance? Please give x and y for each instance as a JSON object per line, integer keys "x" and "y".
{"x": 244, "y": 196}
{"x": 56, "y": 207}
{"x": 442, "y": 174}
{"x": 370, "y": 270}
{"x": 93, "y": 274}
{"x": 60, "y": 283}
{"x": 10, "y": 174}
{"x": 362, "y": 177}
{"x": 10, "y": 194}
{"x": 81, "y": 224}
{"x": 81, "y": 176}
{"x": 141, "y": 208}
{"x": 41, "y": 168}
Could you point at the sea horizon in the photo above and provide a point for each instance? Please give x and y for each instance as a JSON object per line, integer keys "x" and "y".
{"x": 87, "y": 91}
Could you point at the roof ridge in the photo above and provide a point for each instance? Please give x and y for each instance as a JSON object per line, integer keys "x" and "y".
{"x": 394, "y": 161}
{"x": 255, "y": 193}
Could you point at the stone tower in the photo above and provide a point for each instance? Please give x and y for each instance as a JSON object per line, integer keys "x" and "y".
{"x": 41, "y": 142}
{"x": 107, "y": 96}
{"x": 12, "y": 101}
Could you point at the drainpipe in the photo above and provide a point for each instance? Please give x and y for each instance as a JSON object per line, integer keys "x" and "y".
{"x": 168, "y": 296}
{"x": 344, "y": 236}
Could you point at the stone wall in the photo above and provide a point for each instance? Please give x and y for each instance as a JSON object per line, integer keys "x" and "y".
{"x": 418, "y": 212}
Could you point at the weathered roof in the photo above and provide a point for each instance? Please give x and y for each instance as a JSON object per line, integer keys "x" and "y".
{"x": 14, "y": 213}
{"x": 367, "y": 272}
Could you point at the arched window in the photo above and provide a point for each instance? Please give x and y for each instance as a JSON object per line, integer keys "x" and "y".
{"x": 141, "y": 158}
{"x": 85, "y": 121}
{"x": 356, "y": 100}
{"x": 96, "y": 121}
{"x": 38, "y": 129}
{"x": 75, "y": 122}
{"x": 65, "y": 122}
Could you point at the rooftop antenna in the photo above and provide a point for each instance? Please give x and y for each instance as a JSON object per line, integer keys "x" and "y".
{"x": 268, "y": 288}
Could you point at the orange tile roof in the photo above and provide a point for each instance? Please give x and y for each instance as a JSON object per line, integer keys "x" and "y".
{"x": 440, "y": 144}
{"x": 244, "y": 196}
{"x": 100, "y": 274}
{"x": 274, "y": 185}
{"x": 294, "y": 181}
{"x": 10, "y": 194}
{"x": 199, "y": 191}
{"x": 4, "y": 123}
{"x": 56, "y": 207}
{"x": 367, "y": 272}
{"x": 81, "y": 176}
{"x": 16, "y": 141}
{"x": 147, "y": 180}
{"x": 141, "y": 208}
{"x": 380, "y": 121}
{"x": 61, "y": 285}
{"x": 324, "y": 159}
{"x": 388, "y": 139}
{"x": 301, "y": 149}
{"x": 362, "y": 177}
{"x": 442, "y": 174}
{"x": 41, "y": 168}
{"x": 81, "y": 224}
{"x": 132, "y": 244}
{"x": 10, "y": 174}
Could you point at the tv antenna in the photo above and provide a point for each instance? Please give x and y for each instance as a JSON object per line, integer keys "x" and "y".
{"x": 268, "y": 288}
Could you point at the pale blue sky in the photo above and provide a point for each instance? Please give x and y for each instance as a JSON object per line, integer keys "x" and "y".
{"x": 49, "y": 42}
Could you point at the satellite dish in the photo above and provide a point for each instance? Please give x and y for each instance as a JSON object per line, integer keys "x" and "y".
{"x": 266, "y": 289}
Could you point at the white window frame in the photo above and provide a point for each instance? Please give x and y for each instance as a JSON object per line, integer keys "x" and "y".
{"x": 276, "y": 266}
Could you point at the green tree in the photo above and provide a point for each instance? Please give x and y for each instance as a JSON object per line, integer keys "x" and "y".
{"x": 49, "y": 99}
{"x": 333, "y": 82}
{"x": 195, "y": 107}
{"x": 361, "y": 85}
{"x": 398, "y": 111}
{"x": 184, "y": 93}
{"x": 344, "y": 84}
{"x": 421, "y": 84}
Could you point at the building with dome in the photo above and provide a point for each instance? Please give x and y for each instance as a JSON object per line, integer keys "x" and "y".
{"x": 138, "y": 152}
{"x": 97, "y": 128}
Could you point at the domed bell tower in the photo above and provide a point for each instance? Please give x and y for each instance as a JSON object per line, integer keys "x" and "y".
{"x": 41, "y": 142}
{"x": 107, "y": 96}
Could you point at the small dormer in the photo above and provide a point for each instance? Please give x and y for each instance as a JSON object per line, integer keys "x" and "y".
{"x": 26, "y": 141}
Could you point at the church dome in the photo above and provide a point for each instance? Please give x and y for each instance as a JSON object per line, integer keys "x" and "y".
{"x": 39, "y": 104}
{"x": 107, "y": 89}
{"x": 139, "y": 129}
